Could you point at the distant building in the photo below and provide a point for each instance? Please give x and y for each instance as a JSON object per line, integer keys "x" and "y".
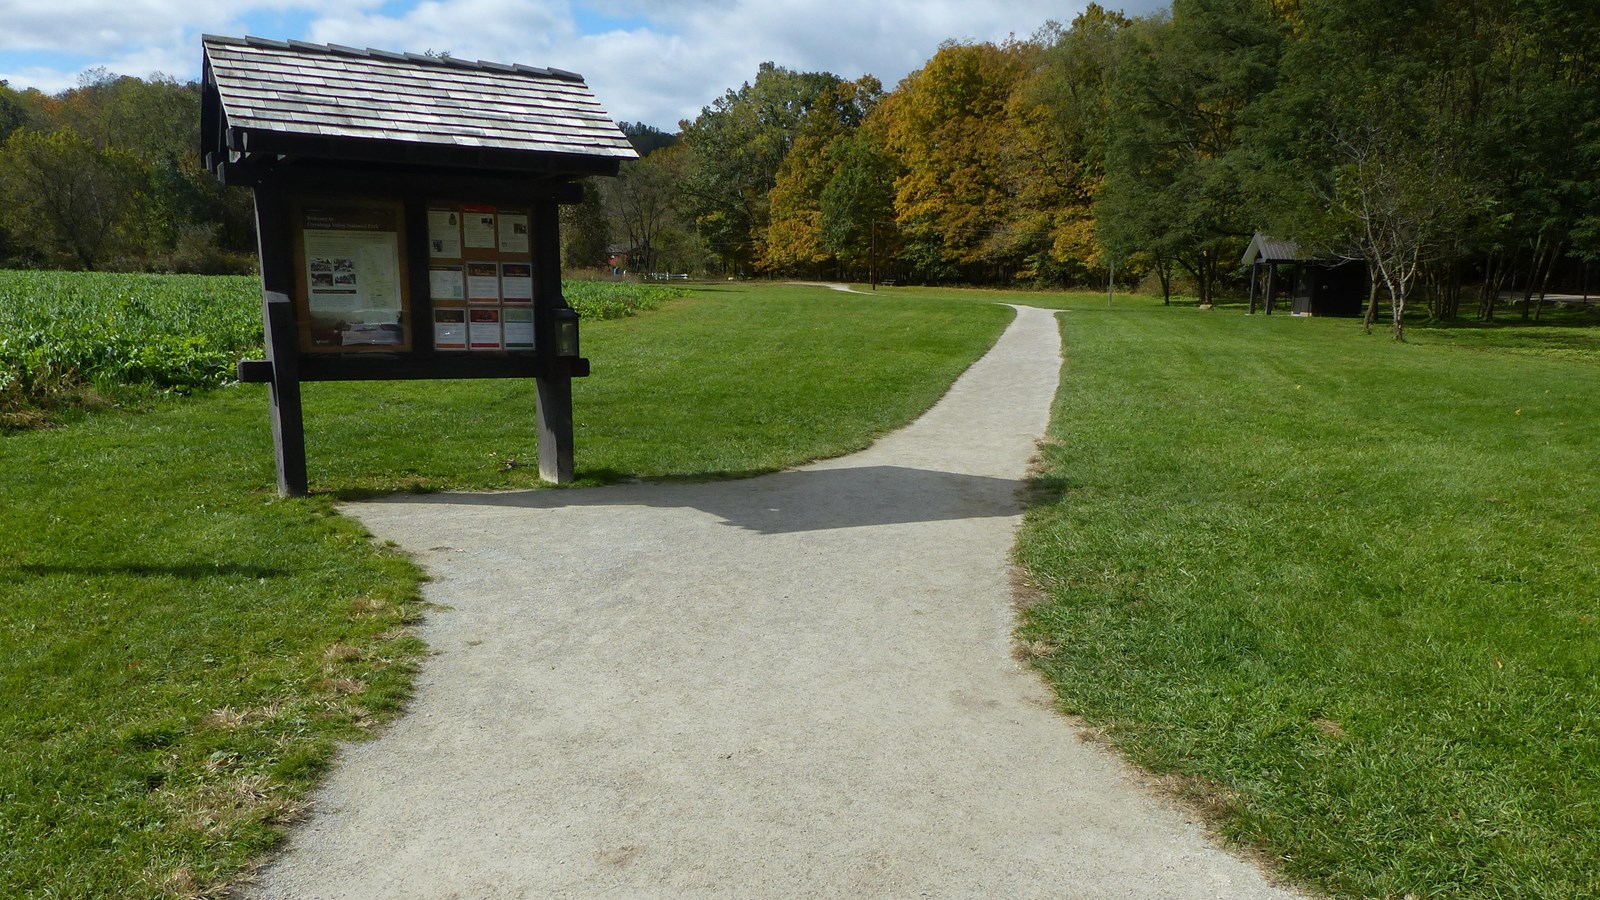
{"x": 1316, "y": 286}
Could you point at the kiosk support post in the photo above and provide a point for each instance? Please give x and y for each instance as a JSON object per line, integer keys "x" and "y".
{"x": 555, "y": 428}
{"x": 282, "y": 340}
{"x": 555, "y": 374}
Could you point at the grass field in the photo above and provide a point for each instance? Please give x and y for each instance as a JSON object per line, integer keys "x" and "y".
{"x": 182, "y": 649}
{"x": 1346, "y": 592}
{"x": 1343, "y": 591}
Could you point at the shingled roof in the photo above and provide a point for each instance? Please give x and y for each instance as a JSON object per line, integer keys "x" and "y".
{"x": 1270, "y": 250}
{"x": 326, "y": 101}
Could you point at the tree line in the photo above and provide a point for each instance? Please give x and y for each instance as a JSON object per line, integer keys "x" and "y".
{"x": 108, "y": 175}
{"x": 1453, "y": 148}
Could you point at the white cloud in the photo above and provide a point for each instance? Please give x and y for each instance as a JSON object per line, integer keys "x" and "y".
{"x": 42, "y": 77}
{"x": 693, "y": 50}
{"x": 178, "y": 59}
{"x": 685, "y": 56}
{"x": 114, "y": 27}
{"x": 502, "y": 30}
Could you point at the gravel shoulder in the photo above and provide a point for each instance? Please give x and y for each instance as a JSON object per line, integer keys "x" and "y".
{"x": 793, "y": 685}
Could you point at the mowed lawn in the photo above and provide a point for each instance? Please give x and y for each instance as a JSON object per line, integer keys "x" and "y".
{"x": 1346, "y": 592}
{"x": 180, "y": 649}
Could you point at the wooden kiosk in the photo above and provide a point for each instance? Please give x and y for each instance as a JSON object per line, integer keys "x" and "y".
{"x": 406, "y": 211}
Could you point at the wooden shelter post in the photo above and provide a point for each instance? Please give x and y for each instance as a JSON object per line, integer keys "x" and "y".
{"x": 554, "y": 409}
{"x": 282, "y": 342}
{"x": 1255, "y": 285}
{"x": 1272, "y": 285}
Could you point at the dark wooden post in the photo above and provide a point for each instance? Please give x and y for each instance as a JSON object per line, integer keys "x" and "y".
{"x": 555, "y": 373}
{"x": 1272, "y": 285}
{"x": 1255, "y": 285}
{"x": 872, "y": 260}
{"x": 282, "y": 340}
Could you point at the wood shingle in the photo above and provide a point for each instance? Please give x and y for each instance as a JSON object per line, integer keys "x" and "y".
{"x": 290, "y": 98}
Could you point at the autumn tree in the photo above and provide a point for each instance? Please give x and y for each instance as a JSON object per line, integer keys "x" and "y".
{"x": 948, "y": 129}
{"x": 735, "y": 148}
{"x": 795, "y": 240}
{"x": 1060, "y": 111}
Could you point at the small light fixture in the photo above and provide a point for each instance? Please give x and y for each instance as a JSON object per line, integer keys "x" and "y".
{"x": 566, "y": 332}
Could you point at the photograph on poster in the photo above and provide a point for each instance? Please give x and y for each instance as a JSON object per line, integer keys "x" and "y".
{"x": 445, "y": 283}
{"x": 516, "y": 282}
{"x": 478, "y": 226}
{"x": 483, "y": 282}
{"x": 514, "y": 233}
{"x": 352, "y": 259}
{"x": 485, "y": 329}
{"x": 449, "y": 329}
{"x": 444, "y": 234}
{"x": 518, "y": 327}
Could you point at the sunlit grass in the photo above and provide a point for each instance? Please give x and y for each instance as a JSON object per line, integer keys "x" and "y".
{"x": 180, "y": 649}
{"x": 1346, "y": 588}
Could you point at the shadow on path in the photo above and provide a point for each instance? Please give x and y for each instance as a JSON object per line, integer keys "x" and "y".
{"x": 787, "y": 502}
{"x": 795, "y": 685}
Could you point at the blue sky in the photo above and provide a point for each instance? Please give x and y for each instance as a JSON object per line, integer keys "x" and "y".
{"x": 654, "y": 61}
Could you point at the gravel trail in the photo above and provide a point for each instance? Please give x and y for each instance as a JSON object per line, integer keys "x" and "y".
{"x": 793, "y": 685}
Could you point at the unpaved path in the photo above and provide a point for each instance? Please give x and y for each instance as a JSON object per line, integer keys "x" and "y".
{"x": 830, "y": 285}
{"x": 794, "y": 685}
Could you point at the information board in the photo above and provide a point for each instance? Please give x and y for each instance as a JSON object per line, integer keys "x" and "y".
{"x": 351, "y": 276}
{"x": 480, "y": 265}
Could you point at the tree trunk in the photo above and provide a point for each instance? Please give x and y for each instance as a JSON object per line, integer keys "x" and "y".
{"x": 1493, "y": 278}
{"x": 1208, "y": 278}
{"x": 1372, "y": 300}
{"x": 1452, "y": 306}
{"x": 1533, "y": 276}
{"x": 1544, "y": 283}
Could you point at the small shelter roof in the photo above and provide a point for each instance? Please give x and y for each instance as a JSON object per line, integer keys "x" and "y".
{"x": 291, "y": 98}
{"x": 1264, "y": 249}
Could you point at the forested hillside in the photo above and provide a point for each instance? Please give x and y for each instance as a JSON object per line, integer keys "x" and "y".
{"x": 1454, "y": 148}
{"x": 107, "y": 175}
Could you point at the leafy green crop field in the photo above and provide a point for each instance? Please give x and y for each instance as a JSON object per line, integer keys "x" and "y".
{"x": 60, "y": 331}
{"x": 69, "y": 336}
{"x": 1345, "y": 590}
{"x": 596, "y": 300}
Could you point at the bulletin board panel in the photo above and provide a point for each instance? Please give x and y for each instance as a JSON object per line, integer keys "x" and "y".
{"x": 480, "y": 275}
{"x": 351, "y": 276}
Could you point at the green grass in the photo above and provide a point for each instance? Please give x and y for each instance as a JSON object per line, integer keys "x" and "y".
{"x": 180, "y": 650}
{"x": 1343, "y": 589}
{"x": 733, "y": 381}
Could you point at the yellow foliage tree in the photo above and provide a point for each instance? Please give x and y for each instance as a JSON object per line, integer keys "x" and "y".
{"x": 948, "y": 126}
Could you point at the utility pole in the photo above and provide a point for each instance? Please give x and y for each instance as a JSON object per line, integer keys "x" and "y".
{"x": 872, "y": 260}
